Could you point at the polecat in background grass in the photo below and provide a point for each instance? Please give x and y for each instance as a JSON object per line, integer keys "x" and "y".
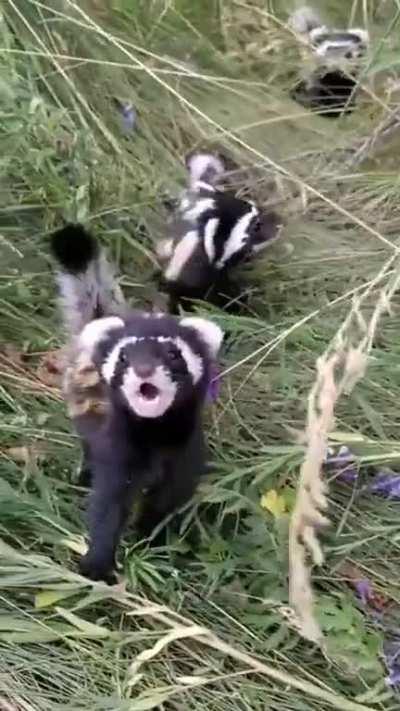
{"x": 332, "y": 62}
{"x": 211, "y": 232}
{"x": 135, "y": 387}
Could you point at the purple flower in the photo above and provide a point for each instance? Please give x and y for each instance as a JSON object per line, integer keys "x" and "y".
{"x": 364, "y": 590}
{"x": 391, "y": 653}
{"x": 129, "y": 116}
{"x": 386, "y": 483}
{"x": 342, "y": 464}
{"x": 383, "y": 482}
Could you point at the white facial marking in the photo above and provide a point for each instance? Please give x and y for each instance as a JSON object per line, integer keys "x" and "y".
{"x": 164, "y": 248}
{"x": 182, "y": 253}
{"x": 363, "y": 35}
{"x": 109, "y": 365}
{"x": 201, "y": 185}
{"x": 201, "y": 163}
{"x": 199, "y": 208}
{"x": 238, "y": 237}
{"x": 209, "y": 234}
{"x": 184, "y": 203}
{"x": 190, "y": 199}
{"x": 337, "y": 47}
{"x": 160, "y": 339}
{"x": 332, "y": 47}
{"x": 145, "y": 406}
{"x": 317, "y": 32}
{"x": 211, "y": 334}
{"x": 193, "y": 361}
{"x": 96, "y": 330}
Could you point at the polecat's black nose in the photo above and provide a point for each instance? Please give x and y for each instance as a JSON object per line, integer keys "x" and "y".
{"x": 144, "y": 369}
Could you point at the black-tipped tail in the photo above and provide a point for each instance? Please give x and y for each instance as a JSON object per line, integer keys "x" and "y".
{"x": 74, "y": 248}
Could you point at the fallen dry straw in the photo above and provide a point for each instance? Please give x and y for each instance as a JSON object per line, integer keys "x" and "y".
{"x": 338, "y": 370}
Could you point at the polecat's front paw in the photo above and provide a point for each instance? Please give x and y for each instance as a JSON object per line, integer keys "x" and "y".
{"x": 85, "y": 476}
{"x": 96, "y": 568}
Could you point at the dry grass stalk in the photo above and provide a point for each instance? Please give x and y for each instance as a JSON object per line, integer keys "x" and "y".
{"x": 384, "y": 132}
{"x": 338, "y": 370}
{"x": 181, "y": 628}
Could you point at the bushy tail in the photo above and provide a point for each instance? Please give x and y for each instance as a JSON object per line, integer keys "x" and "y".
{"x": 86, "y": 281}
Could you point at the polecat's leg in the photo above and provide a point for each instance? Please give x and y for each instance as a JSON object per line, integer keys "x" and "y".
{"x": 85, "y": 473}
{"x": 110, "y": 503}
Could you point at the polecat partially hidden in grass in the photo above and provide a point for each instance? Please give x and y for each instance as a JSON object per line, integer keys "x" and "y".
{"x": 135, "y": 388}
{"x": 332, "y": 60}
{"x": 211, "y": 232}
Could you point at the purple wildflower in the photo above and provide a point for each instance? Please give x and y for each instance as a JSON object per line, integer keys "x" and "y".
{"x": 342, "y": 464}
{"x": 386, "y": 483}
{"x": 364, "y": 590}
{"x": 391, "y": 652}
{"x": 129, "y": 115}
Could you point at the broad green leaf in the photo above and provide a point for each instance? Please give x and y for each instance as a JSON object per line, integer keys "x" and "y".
{"x": 48, "y": 598}
{"x": 274, "y": 503}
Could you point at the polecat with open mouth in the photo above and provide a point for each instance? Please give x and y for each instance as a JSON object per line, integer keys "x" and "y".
{"x": 135, "y": 387}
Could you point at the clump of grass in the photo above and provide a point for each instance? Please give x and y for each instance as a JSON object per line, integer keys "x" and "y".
{"x": 204, "y": 622}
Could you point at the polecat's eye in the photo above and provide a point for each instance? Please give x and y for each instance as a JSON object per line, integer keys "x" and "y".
{"x": 174, "y": 355}
{"x": 122, "y": 357}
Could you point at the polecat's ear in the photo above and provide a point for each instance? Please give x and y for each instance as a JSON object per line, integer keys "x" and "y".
{"x": 95, "y": 331}
{"x": 211, "y": 334}
{"x": 304, "y": 19}
{"x": 204, "y": 168}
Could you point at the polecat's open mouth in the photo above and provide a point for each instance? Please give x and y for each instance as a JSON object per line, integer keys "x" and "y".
{"x": 149, "y": 396}
{"x": 149, "y": 391}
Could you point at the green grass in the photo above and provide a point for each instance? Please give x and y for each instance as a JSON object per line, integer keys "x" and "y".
{"x": 208, "y": 614}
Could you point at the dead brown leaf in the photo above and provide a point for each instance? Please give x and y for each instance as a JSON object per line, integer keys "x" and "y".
{"x": 26, "y": 454}
{"x": 51, "y": 368}
{"x": 354, "y": 575}
{"x": 13, "y": 354}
